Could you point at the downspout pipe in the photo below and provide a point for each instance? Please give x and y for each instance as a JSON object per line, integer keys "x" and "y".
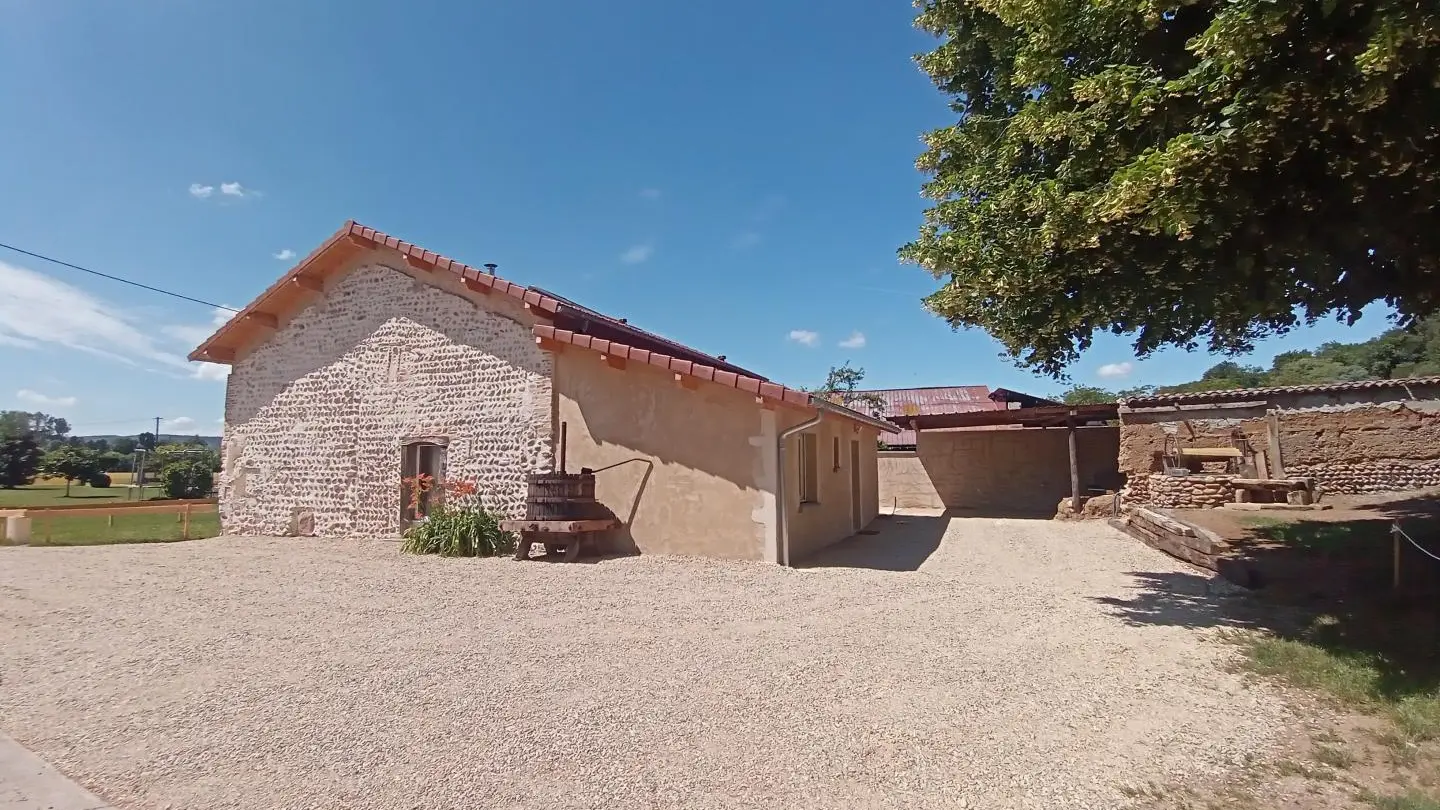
{"x": 820, "y": 406}
{"x": 780, "y": 499}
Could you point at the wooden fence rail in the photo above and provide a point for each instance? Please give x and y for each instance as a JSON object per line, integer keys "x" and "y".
{"x": 45, "y": 516}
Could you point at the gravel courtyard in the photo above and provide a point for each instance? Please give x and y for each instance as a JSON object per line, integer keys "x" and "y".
{"x": 998, "y": 666}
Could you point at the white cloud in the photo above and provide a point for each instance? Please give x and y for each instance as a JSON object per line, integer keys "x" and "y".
{"x": 638, "y": 253}
{"x": 37, "y": 311}
{"x": 195, "y": 334}
{"x": 285, "y": 255}
{"x": 10, "y": 340}
{"x": 179, "y": 423}
{"x": 649, "y": 193}
{"x": 805, "y": 337}
{"x": 210, "y": 371}
{"x": 204, "y": 191}
{"x": 745, "y": 240}
{"x": 37, "y": 398}
{"x": 1112, "y": 371}
{"x": 855, "y": 341}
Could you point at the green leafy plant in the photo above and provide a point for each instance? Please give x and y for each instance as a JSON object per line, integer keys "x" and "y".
{"x": 459, "y": 531}
{"x": 187, "y": 479}
{"x": 100, "y": 481}
{"x": 456, "y": 525}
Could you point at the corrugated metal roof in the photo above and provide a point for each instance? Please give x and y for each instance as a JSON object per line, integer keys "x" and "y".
{"x": 947, "y": 399}
{"x": 1249, "y": 393}
{"x": 930, "y": 401}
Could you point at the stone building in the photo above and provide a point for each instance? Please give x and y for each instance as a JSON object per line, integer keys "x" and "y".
{"x": 1350, "y": 438}
{"x": 374, "y": 359}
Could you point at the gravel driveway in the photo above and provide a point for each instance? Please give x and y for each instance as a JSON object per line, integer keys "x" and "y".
{"x": 1011, "y": 664}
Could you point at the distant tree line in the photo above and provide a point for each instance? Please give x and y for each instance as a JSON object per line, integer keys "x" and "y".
{"x": 1394, "y": 354}
{"x": 37, "y": 444}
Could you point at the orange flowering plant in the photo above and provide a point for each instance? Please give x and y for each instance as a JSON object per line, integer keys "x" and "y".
{"x": 456, "y": 522}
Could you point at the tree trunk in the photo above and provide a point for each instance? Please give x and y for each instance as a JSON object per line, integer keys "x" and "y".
{"x": 67, "y": 487}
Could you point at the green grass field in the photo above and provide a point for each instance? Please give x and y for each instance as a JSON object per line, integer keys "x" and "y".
{"x": 52, "y": 493}
{"x": 95, "y": 530}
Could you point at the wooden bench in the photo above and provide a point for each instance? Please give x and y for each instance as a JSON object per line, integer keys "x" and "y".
{"x": 1296, "y": 491}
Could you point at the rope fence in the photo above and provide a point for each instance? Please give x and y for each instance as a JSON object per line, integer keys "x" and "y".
{"x": 1396, "y": 532}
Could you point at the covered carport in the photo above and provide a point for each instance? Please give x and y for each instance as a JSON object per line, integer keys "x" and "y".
{"x": 1016, "y": 461}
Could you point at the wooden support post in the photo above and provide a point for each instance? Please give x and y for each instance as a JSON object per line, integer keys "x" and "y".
{"x": 1395, "y": 562}
{"x": 1074, "y": 465}
{"x": 1272, "y": 429}
{"x": 185, "y": 523}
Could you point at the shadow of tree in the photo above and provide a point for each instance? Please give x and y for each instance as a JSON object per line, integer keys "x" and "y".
{"x": 1322, "y": 584}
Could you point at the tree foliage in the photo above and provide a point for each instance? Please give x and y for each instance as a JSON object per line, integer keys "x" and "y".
{"x": 187, "y": 479}
{"x": 19, "y": 461}
{"x": 1185, "y": 172}
{"x": 43, "y": 427}
{"x": 842, "y": 387}
{"x": 71, "y": 463}
{"x": 1394, "y": 354}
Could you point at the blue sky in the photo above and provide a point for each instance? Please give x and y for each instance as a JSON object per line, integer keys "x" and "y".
{"x": 736, "y": 176}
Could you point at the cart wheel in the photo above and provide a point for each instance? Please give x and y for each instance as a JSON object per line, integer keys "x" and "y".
{"x": 522, "y": 549}
{"x": 572, "y": 549}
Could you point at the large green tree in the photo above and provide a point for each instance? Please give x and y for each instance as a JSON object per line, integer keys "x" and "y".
{"x": 1185, "y": 172}
{"x": 19, "y": 460}
{"x": 72, "y": 464}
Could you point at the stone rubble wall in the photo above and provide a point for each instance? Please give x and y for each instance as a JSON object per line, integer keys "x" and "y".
{"x": 315, "y": 417}
{"x": 1357, "y": 478}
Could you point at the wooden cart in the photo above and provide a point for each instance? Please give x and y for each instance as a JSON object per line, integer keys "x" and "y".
{"x": 559, "y": 536}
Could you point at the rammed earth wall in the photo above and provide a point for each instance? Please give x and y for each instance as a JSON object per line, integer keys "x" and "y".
{"x": 1350, "y": 442}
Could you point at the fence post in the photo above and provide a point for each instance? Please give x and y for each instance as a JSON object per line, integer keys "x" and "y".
{"x": 1395, "y": 537}
{"x": 185, "y": 523}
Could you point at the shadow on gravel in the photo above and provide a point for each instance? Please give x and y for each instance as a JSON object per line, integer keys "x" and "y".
{"x": 1392, "y": 638}
{"x": 894, "y": 543}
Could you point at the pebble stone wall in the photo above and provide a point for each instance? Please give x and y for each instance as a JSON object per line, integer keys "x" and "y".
{"x": 1360, "y": 477}
{"x": 315, "y": 417}
{"x": 1182, "y": 492}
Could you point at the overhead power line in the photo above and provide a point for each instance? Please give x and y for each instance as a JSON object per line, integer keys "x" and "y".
{"x": 52, "y": 260}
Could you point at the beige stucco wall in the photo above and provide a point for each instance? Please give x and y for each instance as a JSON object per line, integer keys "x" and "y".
{"x": 701, "y": 488}
{"x": 996, "y": 471}
{"x": 904, "y": 483}
{"x": 314, "y": 417}
{"x": 813, "y": 526}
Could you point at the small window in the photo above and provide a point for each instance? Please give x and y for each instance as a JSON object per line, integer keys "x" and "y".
{"x": 422, "y": 474}
{"x": 835, "y": 451}
{"x": 809, "y": 468}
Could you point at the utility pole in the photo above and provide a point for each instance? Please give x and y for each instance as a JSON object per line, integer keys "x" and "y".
{"x": 157, "y": 430}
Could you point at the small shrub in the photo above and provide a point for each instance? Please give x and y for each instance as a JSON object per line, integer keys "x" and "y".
{"x": 458, "y": 525}
{"x": 101, "y": 481}
{"x": 187, "y": 479}
{"x": 459, "y": 531}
